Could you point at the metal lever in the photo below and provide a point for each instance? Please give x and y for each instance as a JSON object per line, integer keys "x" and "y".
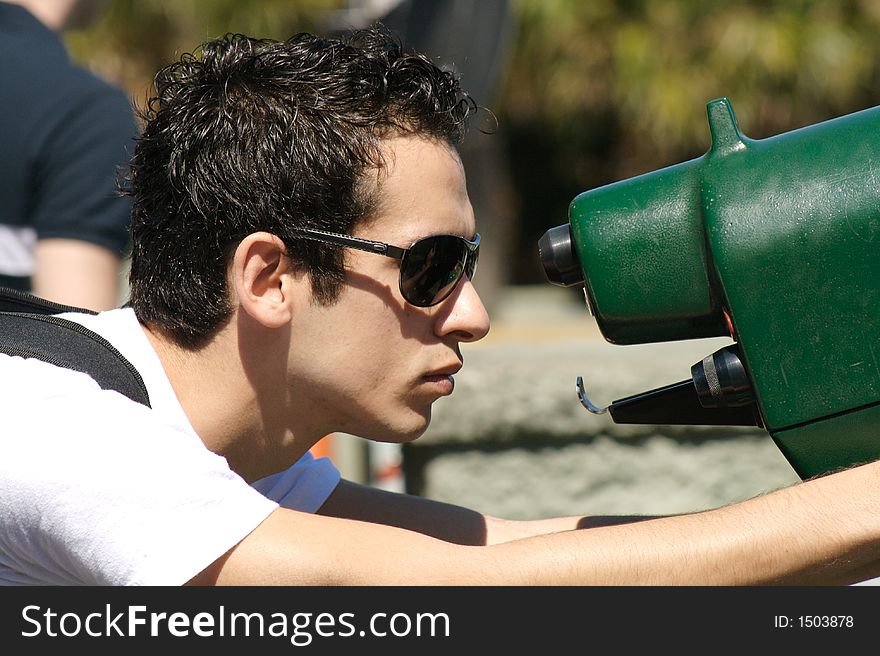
{"x": 582, "y": 395}
{"x": 672, "y": 404}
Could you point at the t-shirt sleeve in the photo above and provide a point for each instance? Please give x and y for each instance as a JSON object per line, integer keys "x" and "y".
{"x": 79, "y": 167}
{"x": 304, "y": 486}
{"x": 94, "y": 490}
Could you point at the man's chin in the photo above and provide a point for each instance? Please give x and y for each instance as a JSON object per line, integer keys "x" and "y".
{"x": 408, "y": 429}
{"x": 410, "y": 435}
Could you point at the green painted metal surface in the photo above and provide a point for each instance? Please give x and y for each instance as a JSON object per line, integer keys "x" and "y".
{"x": 641, "y": 243}
{"x": 830, "y": 444}
{"x": 782, "y": 235}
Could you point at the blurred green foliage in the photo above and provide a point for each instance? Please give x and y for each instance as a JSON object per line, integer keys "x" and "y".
{"x": 646, "y": 69}
{"x": 594, "y": 91}
{"x": 134, "y": 38}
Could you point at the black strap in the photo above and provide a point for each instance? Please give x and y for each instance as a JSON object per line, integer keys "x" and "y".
{"x": 30, "y": 329}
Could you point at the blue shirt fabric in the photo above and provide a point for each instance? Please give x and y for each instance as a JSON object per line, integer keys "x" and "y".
{"x": 65, "y": 135}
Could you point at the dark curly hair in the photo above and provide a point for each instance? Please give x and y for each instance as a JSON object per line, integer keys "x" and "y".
{"x": 247, "y": 135}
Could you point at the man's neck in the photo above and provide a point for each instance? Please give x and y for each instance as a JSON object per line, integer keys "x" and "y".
{"x": 228, "y": 411}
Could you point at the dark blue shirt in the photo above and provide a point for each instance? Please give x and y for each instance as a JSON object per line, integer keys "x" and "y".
{"x": 64, "y": 134}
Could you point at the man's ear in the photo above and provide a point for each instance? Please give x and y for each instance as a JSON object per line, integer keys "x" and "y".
{"x": 263, "y": 280}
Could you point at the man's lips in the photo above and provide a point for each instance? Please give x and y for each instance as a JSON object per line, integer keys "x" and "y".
{"x": 440, "y": 384}
{"x": 442, "y": 379}
{"x": 445, "y": 372}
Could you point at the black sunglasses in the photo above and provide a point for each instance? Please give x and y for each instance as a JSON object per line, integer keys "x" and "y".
{"x": 429, "y": 269}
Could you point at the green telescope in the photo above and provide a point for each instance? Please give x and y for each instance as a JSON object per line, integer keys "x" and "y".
{"x": 771, "y": 242}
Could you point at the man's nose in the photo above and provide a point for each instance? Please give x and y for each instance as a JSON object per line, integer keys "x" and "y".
{"x": 467, "y": 317}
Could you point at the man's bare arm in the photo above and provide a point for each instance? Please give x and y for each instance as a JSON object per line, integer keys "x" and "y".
{"x": 76, "y": 273}
{"x": 445, "y": 521}
{"x": 821, "y": 532}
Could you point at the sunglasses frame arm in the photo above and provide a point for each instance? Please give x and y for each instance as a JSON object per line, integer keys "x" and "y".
{"x": 337, "y": 239}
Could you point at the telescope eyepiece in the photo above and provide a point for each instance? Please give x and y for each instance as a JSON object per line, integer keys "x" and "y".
{"x": 558, "y": 257}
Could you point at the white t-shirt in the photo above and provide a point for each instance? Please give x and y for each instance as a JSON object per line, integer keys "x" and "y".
{"x": 96, "y": 489}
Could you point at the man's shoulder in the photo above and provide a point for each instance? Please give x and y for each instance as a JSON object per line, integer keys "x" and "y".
{"x": 37, "y": 71}
{"x": 28, "y": 383}
{"x": 70, "y": 90}
{"x": 32, "y": 381}
{"x": 120, "y": 327}
{"x": 23, "y": 33}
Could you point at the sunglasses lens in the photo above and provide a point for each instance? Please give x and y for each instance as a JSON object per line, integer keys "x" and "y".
{"x": 470, "y": 268}
{"x": 432, "y": 267}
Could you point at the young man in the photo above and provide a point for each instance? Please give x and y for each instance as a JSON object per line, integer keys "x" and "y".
{"x": 303, "y": 247}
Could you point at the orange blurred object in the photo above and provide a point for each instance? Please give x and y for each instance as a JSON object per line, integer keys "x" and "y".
{"x": 323, "y": 447}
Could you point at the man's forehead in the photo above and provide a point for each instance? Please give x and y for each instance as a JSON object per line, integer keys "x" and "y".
{"x": 421, "y": 192}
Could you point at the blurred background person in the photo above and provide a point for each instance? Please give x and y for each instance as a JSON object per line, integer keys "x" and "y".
{"x": 65, "y": 133}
